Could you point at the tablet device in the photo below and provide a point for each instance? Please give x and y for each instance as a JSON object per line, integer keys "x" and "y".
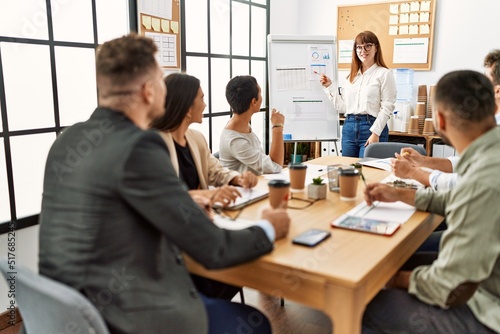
{"x": 366, "y": 225}
{"x": 311, "y": 237}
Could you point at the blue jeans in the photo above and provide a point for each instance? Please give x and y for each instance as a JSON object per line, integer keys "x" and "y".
{"x": 228, "y": 317}
{"x": 355, "y": 133}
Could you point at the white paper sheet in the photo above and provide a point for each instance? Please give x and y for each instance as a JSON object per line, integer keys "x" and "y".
{"x": 228, "y": 224}
{"x": 398, "y": 212}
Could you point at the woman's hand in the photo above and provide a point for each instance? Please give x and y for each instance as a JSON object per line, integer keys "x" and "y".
{"x": 245, "y": 180}
{"x": 372, "y": 139}
{"x": 225, "y": 195}
{"x": 325, "y": 81}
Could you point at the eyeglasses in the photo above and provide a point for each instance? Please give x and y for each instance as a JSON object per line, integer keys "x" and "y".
{"x": 367, "y": 47}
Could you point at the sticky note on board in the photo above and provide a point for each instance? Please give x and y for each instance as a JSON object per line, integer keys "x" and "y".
{"x": 425, "y": 5}
{"x": 393, "y": 19}
{"x": 403, "y": 30}
{"x": 414, "y": 17}
{"x": 175, "y": 26}
{"x": 415, "y": 6}
{"x": 165, "y": 25}
{"x": 424, "y": 29}
{"x": 403, "y": 18}
{"x": 394, "y": 9}
{"x": 424, "y": 17}
{"x": 405, "y": 7}
{"x": 393, "y": 30}
{"x": 146, "y": 21}
{"x": 155, "y": 23}
{"x": 413, "y": 30}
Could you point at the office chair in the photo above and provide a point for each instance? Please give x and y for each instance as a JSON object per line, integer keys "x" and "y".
{"x": 383, "y": 150}
{"x": 48, "y": 306}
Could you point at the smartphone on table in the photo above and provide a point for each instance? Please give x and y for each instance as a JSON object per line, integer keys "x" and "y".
{"x": 311, "y": 237}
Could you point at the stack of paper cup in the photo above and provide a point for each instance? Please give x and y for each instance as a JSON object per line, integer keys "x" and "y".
{"x": 428, "y": 127}
{"x": 420, "y": 112}
{"x": 413, "y": 127}
{"x": 432, "y": 91}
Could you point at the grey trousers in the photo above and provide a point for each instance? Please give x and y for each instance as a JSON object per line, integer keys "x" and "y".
{"x": 396, "y": 311}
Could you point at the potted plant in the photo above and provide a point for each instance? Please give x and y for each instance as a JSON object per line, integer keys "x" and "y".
{"x": 302, "y": 152}
{"x": 317, "y": 189}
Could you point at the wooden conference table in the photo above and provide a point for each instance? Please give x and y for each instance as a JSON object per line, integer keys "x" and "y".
{"x": 341, "y": 275}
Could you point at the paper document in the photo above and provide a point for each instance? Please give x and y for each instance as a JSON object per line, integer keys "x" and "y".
{"x": 229, "y": 224}
{"x": 248, "y": 196}
{"x": 398, "y": 212}
{"x": 384, "y": 164}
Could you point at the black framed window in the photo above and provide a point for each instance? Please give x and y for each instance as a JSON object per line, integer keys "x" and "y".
{"x": 47, "y": 82}
{"x": 222, "y": 39}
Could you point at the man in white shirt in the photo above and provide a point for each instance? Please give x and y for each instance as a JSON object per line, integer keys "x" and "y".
{"x": 443, "y": 177}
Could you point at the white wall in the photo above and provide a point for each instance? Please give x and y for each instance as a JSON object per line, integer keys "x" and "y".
{"x": 463, "y": 34}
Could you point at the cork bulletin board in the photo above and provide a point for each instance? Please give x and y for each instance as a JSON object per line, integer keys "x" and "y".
{"x": 159, "y": 19}
{"x": 405, "y": 30}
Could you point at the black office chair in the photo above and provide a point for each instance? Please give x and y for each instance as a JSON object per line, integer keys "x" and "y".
{"x": 48, "y": 306}
{"x": 383, "y": 150}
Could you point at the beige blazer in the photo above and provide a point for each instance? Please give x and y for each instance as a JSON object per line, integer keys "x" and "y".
{"x": 210, "y": 170}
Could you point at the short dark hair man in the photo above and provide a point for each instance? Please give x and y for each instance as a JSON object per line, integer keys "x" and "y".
{"x": 115, "y": 217}
{"x": 460, "y": 291}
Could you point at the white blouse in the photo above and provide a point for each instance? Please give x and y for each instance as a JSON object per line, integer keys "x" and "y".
{"x": 372, "y": 92}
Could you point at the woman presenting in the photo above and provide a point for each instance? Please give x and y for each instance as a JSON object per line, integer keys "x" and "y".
{"x": 367, "y": 98}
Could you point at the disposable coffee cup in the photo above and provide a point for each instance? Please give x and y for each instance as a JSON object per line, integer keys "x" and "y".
{"x": 333, "y": 176}
{"x": 297, "y": 177}
{"x": 278, "y": 193}
{"x": 348, "y": 182}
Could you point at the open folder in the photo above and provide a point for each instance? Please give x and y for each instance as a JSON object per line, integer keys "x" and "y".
{"x": 248, "y": 196}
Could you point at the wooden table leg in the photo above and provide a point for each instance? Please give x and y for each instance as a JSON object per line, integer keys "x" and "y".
{"x": 345, "y": 307}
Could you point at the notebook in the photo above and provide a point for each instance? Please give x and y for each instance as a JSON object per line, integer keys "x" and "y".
{"x": 248, "y": 196}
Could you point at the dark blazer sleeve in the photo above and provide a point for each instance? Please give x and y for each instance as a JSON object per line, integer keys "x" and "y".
{"x": 151, "y": 187}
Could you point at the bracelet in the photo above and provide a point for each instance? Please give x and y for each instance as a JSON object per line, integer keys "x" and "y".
{"x": 277, "y": 126}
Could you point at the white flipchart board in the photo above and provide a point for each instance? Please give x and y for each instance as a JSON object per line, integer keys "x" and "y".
{"x": 295, "y": 65}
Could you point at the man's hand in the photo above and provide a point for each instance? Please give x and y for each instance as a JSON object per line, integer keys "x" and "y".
{"x": 385, "y": 193}
{"x": 412, "y": 156}
{"x": 279, "y": 219}
{"x": 402, "y": 167}
{"x": 401, "y": 280}
{"x": 246, "y": 180}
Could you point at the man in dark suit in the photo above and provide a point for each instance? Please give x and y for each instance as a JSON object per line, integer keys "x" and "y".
{"x": 115, "y": 218}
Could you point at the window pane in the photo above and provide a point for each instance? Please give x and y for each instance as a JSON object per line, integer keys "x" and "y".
{"x": 198, "y": 67}
{"x": 259, "y": 35}
{"x": 218, "y": 124}
{"x": 4, "y": 189}
{"x": 203, "y": 128}
{"x": 241, "y": 67}
{"x": 27, "y": 19}
{"x": 76, "y": 85}
{"x": 112, "y": 19}
{"x": 259, "y": 72}
{"x": 29, "y": 154}
{"x": 258, "y": 125}
{"x": 262, "y": 2}
{"x": 72, "y": 21}
{"x": 219, "y": 30}
{"x": 28, "y": 86}
{"x": 220, "y": 78}
{"x": 196, "y": 15}
{"x": 241, "y": 28}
